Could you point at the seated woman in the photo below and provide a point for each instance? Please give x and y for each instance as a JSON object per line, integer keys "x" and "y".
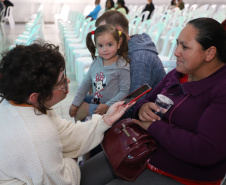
{"x": 110, "y": 5}
{"x": 191, "y": 148}
{"x": 38, "y": 147}
{"x": 120, "y": 6}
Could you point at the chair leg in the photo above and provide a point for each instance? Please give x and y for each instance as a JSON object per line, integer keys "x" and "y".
{"x": 3, "y": 29}
{"x": 11, "y": 23}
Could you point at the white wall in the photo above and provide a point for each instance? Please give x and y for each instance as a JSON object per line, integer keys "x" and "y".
{"x": 24, "y": 8}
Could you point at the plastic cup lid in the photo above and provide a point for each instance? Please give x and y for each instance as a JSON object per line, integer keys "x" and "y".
{"x": 165, "y": 99}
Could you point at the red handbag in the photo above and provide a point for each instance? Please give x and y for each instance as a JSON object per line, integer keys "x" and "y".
{"x": 128, "y": 148}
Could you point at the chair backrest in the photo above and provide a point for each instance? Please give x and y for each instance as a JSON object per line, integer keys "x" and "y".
{"x": 200, "y": 10}
{"x": 156, "y": 14}
{"x": 71, "y": 16}
{"x": 157, "y": 29}
{"x": 8, "y": 11}
{"x": 133, "y": 25}
{"x": 89, "y": 27}
{"x": 188, "y": 17}
{"x": 169, "y": 65}
{"x": 170, "y": 38}
{"x": 212, "y": 7}
{"x": 165, "y": 19}
{"x": 2, "y": 22}
{"x": 221, "y": 8}
{"x": 186, "y": 6}
{"x": 193, "y": 7}
{"x": 145, "y": 26}
{"x": 34, "y": 34}
{"x": 88, "y": 8}
{"x": 140, "y": 8}
{"x": 64, "y": 12}
{"x": 82, "y": 30}
{"x": 78, "y": 24}
{"x": 40, "y": 8}
{"x": 2, "y": 13}
{"x": 219, "y": 16}
{"x": 133, "y": 12}
{"x": 144, "y": 15}
{"x": 179, "y": 22}
{"x": 39, "y": 18}
{"x": 9, "y": 16}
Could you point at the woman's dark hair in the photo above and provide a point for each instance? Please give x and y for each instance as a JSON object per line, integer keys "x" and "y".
{"x": 122, "y": 2}
{"x": 30, "y": 69}
{"x": 112, "y": 4}
{"x": 108, "y": 28}
{"x": 210, "y": 33}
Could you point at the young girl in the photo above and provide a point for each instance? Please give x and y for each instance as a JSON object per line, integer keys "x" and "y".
{"x": 108, "y": 75}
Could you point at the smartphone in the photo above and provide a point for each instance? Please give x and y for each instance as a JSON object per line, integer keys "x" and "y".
{"x": 135, "y": 95}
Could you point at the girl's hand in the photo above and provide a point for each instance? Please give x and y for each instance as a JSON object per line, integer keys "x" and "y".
{"x": 146, "y": 112}
{"x": 101, "y": 109}
{"x": 143, "y": 124}
{"x": 115, "y": 112}
{"x": 73, "y": 110}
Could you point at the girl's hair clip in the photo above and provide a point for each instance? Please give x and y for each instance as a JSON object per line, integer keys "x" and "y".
{"x": 120, "y": 33}
{"x": 92, "y": 32}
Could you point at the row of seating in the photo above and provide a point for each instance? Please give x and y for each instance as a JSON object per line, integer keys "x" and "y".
{"x": 6, "y": 17}
{"x": 166, "y": 24}
{"x": 74, "y": 37}
{"x": 33, "y": 29}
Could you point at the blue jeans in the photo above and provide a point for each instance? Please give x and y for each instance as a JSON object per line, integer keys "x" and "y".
{"x": 92, "y": 107}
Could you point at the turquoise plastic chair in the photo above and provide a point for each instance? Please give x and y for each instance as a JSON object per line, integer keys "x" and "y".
{"x": 73, "y": 47}
{"x": 70, "y": 39}
{"x": 145, "y": 15}
{"x": 169, "y": 65}
{"x": 145, "y": 26}
{"x": 169, "y": 44}
{"x": 134, "y": 25}
{"x": 157, "y": 29}
{"x": 2, "y": 22}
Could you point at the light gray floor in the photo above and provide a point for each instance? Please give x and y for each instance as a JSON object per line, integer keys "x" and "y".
{"x": 51, "y": 34}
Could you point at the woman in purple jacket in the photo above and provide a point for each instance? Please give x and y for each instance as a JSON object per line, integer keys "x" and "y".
{"x": 192, "y": 133}
{"x": 191, "y": 136}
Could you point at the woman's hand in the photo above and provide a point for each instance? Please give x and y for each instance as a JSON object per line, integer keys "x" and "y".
{"x": 143, "y": 124}
{"x": 115, "y": 112}
{"x": 146, "y": 112}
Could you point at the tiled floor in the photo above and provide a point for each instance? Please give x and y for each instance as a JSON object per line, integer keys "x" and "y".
{"x": 51, "y": 34}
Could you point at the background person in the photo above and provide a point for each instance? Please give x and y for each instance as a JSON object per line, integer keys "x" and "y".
{"x": 95, "y": 11}
{"x": 39, "y": 146}
{"x": 110, "y": 5}
{"x": 120, "y": 6}
{"x": 149, "y": 7}
{"x": 7, "y": 3}
{"x": 190, "y": 148}
{"x": 180, "y": 4}
{"x": 172, "y": 4}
